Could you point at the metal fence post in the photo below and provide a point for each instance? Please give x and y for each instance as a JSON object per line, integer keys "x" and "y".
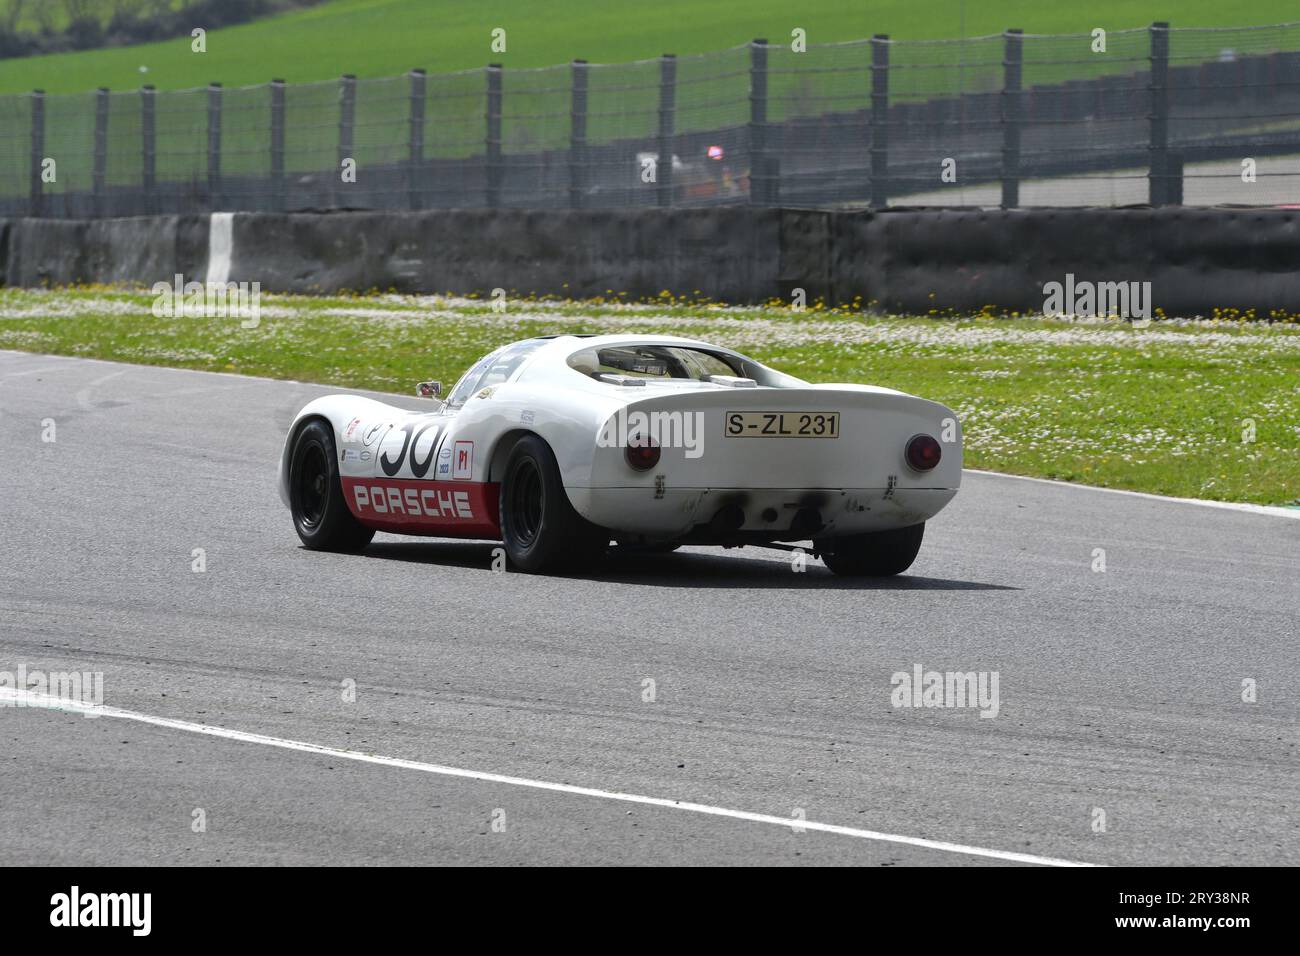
{"x": 667, "y": 116}
{"x": 277, "y": 145}
{"x": 493, "y": 141}
{"x": 35, "y": 196}
{"x": 1012, "y": 68}
{"x": 99, "y": 174}
{"x": 578, "y": 134}
{"x": 347, "y": 123}
{"x": 415, "y": 164}
{"x": 347, "y": 115}
{"x": 880, "y": 120}
{"x": 214, "y": 146}
{"x": 1174, "y": 179}
{"x": 149, "y": 148}
{"x": 759, "y": 173}
{"x": 1158, "y": 174}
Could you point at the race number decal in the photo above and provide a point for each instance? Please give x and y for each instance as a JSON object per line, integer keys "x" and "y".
{"x": 462, "y": 461}
{"x": 409, "y": 451}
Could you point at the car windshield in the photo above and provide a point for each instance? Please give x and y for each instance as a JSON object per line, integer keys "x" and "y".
{"x": 493, "y": 369}
{"x": 672, "y": 362}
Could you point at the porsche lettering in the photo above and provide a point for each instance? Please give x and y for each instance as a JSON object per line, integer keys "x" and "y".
{"x": 413, "y": 502}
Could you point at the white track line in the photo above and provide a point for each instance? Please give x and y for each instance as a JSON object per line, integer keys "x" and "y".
{"x": 1273, "y": 510}
{"x": 83, "y": 396}
{"x": 14, "y": 697}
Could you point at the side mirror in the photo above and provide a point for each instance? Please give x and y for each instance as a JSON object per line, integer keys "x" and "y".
{"x": 429, "y": 389}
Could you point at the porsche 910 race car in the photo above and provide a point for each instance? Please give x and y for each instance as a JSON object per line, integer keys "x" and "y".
{"x": 558, "y": 446}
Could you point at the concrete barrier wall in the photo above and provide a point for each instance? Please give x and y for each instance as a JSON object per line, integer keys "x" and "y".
{"x": 52, "y": 252}
{"x": 1196, "y": 260}
{"x": 915, "y": 261}
{"x": 730, "y": 253}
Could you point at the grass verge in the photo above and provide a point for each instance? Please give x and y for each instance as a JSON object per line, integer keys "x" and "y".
{"x": 388, "y": 37}
{"x": 1194, "y": 409}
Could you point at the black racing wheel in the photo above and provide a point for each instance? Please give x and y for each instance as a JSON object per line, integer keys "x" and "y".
{"x": 541, "y": 530}
{"x": 320, "y": 515}
{"x": 875, "y": 554}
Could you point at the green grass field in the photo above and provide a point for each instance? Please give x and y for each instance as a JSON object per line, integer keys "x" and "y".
{"x": 1200, "y": 410}
{"x": 374, "y": 38}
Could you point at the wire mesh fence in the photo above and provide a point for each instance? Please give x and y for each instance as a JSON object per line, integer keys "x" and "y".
{"x": 1153, "y": 115}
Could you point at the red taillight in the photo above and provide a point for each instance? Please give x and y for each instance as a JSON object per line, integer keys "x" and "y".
{"x": 642, "y": 452}
{"x": 923, "y": 452}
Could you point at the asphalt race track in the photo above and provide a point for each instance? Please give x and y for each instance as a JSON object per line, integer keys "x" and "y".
{"x": 1120, "y": 691}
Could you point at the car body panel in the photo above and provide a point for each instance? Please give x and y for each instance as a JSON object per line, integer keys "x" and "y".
{"x": 436, "y": 472}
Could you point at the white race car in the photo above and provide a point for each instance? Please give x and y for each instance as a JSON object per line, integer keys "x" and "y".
{"x": 558, "y": 445}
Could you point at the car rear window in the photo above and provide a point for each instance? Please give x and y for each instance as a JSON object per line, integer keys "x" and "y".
{"x": 651, "y": 361}
{"x": 673, "y": 362}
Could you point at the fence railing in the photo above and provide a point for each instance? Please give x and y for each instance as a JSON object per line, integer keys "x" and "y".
{"x": 1158, "y": 115}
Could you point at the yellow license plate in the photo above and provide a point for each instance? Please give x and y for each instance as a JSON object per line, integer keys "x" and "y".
{"x": 783, "y": 424}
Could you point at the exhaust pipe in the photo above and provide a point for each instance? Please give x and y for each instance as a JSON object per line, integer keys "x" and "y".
{"x": 727, "y": 520}
{"x": 807, "y": 522}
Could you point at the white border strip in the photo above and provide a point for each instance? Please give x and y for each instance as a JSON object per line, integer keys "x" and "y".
{"x": 14, "y": 697}
{"x": 1272, "y": 510}
{"x": 221, "y": 245}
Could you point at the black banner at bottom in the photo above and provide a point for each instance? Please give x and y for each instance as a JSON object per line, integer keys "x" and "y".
{"x": 1178, "y": 905}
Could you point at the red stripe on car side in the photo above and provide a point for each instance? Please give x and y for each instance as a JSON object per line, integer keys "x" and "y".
{"x": 446, "y": 509}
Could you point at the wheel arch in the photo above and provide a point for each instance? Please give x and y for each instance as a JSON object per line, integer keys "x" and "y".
{"x": 286, "y": 455}
{"x": 501, "y": 450}
{"x": 501, "y": 454}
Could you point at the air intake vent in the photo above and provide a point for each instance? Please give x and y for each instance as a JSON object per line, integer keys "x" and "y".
{"x": 732, "y": 381}
{"x": 612, "y": 378}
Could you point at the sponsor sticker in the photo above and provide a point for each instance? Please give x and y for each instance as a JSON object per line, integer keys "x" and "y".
{"x": 351, "y": 429}
{"x": 526, "y": 417}
{"x": 462, "y": 461}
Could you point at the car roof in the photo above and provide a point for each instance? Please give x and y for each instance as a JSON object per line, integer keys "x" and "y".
{"x": 554, "y": 351}
{"x": 566, "y": 345}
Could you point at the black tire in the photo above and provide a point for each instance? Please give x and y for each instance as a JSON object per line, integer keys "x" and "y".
{"x": 541, "y": 531}
{"x": 320, "y": 515}
{"x": 876, "y": 554}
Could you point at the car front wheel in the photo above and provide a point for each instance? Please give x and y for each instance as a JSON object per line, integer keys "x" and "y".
{"x": 320, "y": 515}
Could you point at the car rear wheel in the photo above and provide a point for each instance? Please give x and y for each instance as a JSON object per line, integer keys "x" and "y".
{"x": 320, "y": 515}
{"x": 541, "y": 531}
{"x": 875, "y": 554}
